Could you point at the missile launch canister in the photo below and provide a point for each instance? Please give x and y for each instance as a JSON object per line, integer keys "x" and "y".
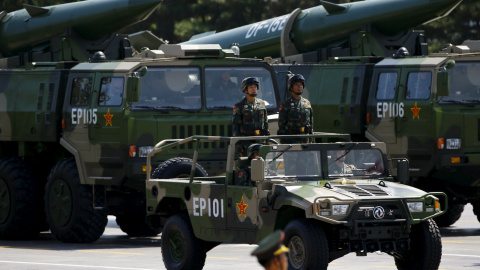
{"x": 26, "y": 29}
{"x": 310, "y": 29}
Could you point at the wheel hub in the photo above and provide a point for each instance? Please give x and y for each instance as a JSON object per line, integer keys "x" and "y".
{"x": 60, "y": 202}
{"x": 176, "y": 246}
{"x": 297, "y": 252}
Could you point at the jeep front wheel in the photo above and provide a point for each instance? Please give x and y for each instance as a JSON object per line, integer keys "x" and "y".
{"x": 69, "y": 206}
{"x": 425, "y": 248}
{"x": 180, "y": 248}
{"x": 308, "y": 245}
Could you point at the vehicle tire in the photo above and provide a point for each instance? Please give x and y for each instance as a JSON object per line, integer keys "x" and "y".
{"x": 69, "y": 206}
{"x": 453, "y": 214}
{"x": 180, "y": 248}
{"x": 308, "y": 245}
{"x": 136, "y": 225}
{"x": 20, "y": 194}
{"x": 426, "y": 248}
{"x": 177, "y": 167}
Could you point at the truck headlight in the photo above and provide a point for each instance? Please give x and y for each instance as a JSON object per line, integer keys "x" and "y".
{"x": 144, "y": 150}
{"x": 454, "y": 143}
{"x": 414, "y": 207}
{"x": 340, "y": 209}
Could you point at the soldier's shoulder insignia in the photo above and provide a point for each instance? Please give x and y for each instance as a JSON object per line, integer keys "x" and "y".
{"x": 281, "y": 106}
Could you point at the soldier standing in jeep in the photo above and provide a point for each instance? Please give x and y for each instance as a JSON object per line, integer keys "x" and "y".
{"x": 249, "y": 115}
{"x": 296, "y": 114}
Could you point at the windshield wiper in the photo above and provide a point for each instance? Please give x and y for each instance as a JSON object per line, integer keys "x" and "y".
{"x": 174, "y": 107}
{"x": 451, "y": 101}
{"x": 279, "y": 154}
{"x": 221, "y": 107}
{"x": 149, "y": 107}
{"x": 463, "y": 102}
{"x": 472, "y": 100}
{"x": 346, "y": 152}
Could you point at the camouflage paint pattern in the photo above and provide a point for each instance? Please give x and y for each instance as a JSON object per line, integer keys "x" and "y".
{"x": 221, "y": 211}
{"x": 50, "y": 111}
{"x": 384, "y": 100}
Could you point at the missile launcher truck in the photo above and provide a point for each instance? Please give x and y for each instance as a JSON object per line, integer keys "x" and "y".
{"x": 80, "y": 109}
{"x": 331, "y": 197}
{"x": 425, "y": 108}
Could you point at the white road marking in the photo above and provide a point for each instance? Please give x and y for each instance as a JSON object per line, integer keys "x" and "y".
{"x": 462, "y": 255}
{"x": 76, "y": 265}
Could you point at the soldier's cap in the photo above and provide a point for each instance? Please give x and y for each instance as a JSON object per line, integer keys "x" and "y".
{"x": 270, "y": 246}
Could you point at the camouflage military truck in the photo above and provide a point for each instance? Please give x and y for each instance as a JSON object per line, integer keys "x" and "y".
{"x": 325, "y": 212}
{"x": 76, "y": 125}
{"x": 425, "y": 108}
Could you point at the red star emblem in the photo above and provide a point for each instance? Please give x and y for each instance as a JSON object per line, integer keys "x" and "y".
{"x": 415, "y": 111}
{"x": 241, "y": 208}
{"x": 108, "y": 117}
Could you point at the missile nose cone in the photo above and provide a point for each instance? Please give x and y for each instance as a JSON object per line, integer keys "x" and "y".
{"x": 113, "y": 15}
{"x": 416, "y": 12}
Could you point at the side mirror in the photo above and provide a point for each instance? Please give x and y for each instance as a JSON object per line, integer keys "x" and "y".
{"x": 133, "y": 89}
{"x": 443, "y": 84}
{"x": 258, "y": 169}
{"x": 403, "y": 171}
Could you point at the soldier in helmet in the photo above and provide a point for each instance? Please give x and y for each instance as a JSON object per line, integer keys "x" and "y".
{"x": 337, "y": 165}
{"x": 271, "y": 253}
{"x": 296, "y": 114}
{"x": 249, "y": 115}
{"x": 244, "y": 174}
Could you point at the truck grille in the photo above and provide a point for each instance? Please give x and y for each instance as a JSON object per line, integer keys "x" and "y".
{"x": 364, "y": 190}
{"x": 184, "y": 131}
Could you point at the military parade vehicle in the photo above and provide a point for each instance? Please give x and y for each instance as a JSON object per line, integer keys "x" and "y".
{"x": 80, "y": 109}
{"x": 425, "y": 108}
{"x": 330, "y": 198}
{"x": 374, "y": 78}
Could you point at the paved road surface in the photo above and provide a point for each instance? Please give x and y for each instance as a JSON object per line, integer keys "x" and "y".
{"x": 116, "y": 251}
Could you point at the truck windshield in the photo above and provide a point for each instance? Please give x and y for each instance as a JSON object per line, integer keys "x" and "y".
{"x": 170, "y": 88}
{"x": 293, "y": 164}
{"x": 223, "y": 86}
{"x": 355, "y": 162}
{"x": 464, "y": 83}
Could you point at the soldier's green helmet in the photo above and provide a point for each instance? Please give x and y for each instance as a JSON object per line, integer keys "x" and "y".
{"x": 249, "y": 81}
{"x": 252, "y": 148}
{"x": 294, "y": 79}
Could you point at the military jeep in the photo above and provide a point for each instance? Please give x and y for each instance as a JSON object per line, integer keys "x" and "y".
{"x": 326, "y": 210}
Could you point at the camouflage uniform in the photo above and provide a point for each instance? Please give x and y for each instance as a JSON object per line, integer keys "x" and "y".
{"x": 295, "y": 117}
{"x": 244, "y": 177}
{"x": 249, "y": 119}
{"x": 345, "y": 169}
